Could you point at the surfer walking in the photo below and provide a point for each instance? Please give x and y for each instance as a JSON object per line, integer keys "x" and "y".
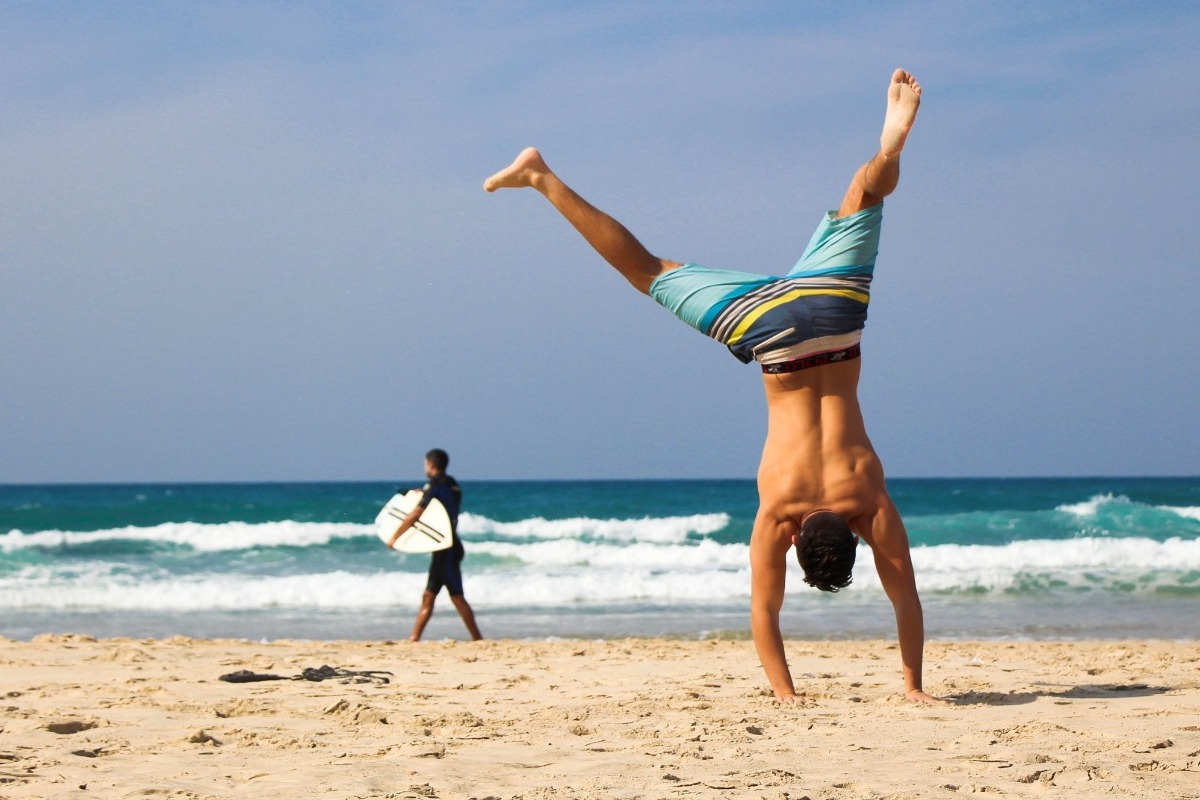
{"x": 445, "y": 568}
{"x": 821, "y": 485}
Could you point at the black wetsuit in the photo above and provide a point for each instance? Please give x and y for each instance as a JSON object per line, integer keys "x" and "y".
{"x": 444, "y": 568}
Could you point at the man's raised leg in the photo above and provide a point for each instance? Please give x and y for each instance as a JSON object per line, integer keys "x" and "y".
{"x": 877, "y": 178}
{"x": 609, "y": 238}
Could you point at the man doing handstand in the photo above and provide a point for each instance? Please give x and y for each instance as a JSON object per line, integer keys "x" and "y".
{"x": 820, "y": 483}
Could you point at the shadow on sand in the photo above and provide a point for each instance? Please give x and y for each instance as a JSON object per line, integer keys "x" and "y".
{"x": 1096, "y": 691}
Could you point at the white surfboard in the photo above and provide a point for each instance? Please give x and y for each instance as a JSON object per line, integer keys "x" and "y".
{"x": 429, "y": 534}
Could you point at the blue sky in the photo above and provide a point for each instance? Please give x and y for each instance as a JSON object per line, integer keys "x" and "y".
{"x": 247, "y": 241}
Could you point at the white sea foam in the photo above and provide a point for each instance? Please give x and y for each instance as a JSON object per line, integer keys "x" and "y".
{"x": 569, "y": 552}
{"x": 649, "y": 529}
{"x": 198, "y": 536}
{"x": 1091, "y": 507}
{"x": 244, "y": 535}
{"x": 580, "y": 539}
{"x": 1190, "y": 512}
{"x": 1083, "y": 562}
{"x": 562, "y": 574}
{"x": 1118, "y": 516}
{"x": 96, "y": 588}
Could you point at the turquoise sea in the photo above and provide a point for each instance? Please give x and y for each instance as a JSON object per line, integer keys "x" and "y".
{"x": 995, "y": 558}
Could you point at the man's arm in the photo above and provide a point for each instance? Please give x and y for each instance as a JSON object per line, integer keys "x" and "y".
{"x": 893, "y": 561}
{"x": 769, "y": 545}
{"x": 406, "y": 523}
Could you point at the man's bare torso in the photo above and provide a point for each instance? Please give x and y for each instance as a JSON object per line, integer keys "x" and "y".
{"x": 817, "y": 454}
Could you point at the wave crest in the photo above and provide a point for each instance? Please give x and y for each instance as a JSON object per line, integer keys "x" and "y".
{"x": 647, "y": 529}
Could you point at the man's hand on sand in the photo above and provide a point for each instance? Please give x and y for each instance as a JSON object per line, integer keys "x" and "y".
{"x": 796, "y": 701}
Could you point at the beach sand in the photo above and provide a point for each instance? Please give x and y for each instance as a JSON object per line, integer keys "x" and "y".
{"x": 637, "y": 718}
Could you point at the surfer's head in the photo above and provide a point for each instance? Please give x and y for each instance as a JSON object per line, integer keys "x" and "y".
{"x": 437, "y": 459}
{"x": 825, "y": 547}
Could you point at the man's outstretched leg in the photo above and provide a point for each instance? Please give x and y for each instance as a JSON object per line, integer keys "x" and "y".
{"x": 609, "y": 238}
{"x": 877, "y": 178}
{"x": 423, "y": 615}
{"x": 468, "y": 616}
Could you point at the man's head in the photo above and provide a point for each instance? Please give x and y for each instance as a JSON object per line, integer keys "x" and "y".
{"x": 825, "y": 547}
{"x": 436, "y": 462}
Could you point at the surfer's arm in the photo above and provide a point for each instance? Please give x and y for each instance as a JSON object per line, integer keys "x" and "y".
{"x": 405, "y": 524}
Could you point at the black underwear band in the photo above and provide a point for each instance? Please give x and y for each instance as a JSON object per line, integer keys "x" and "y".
{"x": 815, "y": 360}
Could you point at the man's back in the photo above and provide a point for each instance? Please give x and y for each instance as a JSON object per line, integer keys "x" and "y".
{"x": 817, "y": 454}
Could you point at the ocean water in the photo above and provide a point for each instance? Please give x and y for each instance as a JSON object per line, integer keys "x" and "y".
{"x": 1012, "y": 558}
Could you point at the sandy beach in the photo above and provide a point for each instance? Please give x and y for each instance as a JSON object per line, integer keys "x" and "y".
{"x": 637, "y": 718}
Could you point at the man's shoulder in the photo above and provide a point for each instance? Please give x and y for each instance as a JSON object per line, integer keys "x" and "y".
{"x": 439, "y": 484}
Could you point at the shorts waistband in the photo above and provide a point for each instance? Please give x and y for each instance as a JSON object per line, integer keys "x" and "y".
{"x": 814, "y": 360}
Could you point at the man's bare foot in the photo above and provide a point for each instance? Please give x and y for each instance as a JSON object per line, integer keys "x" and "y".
{"x": 904, "y": 97}
{"x": 521, "y": 173}
{"x": 921, "y": 698}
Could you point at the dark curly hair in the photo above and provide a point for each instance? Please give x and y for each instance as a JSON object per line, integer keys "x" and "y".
{"x": 825, "y": 548}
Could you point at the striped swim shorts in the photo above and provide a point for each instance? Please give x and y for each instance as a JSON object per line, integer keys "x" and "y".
{"x": 813, "y": 315}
